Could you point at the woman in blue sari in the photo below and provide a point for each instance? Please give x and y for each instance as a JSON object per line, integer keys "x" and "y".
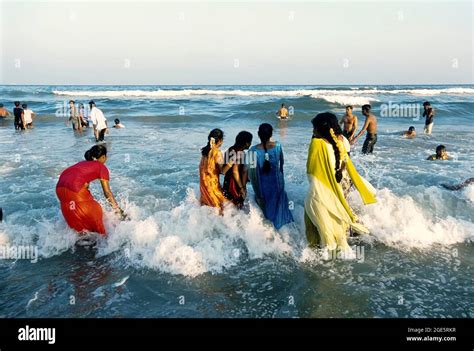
{"x": 266, "y": 174}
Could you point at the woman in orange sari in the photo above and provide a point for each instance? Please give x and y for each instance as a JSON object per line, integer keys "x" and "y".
{"x": 210, "y": 168}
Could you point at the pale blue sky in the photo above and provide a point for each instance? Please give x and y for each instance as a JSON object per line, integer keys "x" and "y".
{"x": 343, "y": 42}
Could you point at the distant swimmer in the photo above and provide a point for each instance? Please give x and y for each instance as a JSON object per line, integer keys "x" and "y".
{"x": 428, "y": 113}
{"x": 29, "y": 116}
{"x": 441, "y": 154}
{"x": 118, "y": 124}
{"x": 19, "y": 115}
{"x": 3, "y": 112}
{"x": 80, "y": 210}
{"x": 82, "y": 117}
{"x": 282, "y": 112}
{"x": 410, "y": 134}
{"x": 464, "y": 184}
{"x": 349, "y": 123}
{"x": 98, "y": 121}
{"x": 371, "y": 126}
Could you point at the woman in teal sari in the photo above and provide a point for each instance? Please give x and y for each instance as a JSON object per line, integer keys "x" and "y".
{"x": 266, "y": 174}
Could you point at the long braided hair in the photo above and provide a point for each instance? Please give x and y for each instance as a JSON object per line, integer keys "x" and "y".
{"x": 265, "y": 132}
{"x": 214, "y": 137}
{"x": 327, "y": 126}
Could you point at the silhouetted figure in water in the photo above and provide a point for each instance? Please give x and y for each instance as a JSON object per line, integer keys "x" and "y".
{"x": 459, "y": 186}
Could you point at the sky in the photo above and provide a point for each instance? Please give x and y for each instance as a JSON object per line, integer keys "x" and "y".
{"x": 270, "y": 42}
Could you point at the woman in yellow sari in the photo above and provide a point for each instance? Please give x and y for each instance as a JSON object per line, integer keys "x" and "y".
{"x": 210, "y": 168}
{"x": 328, "y": 216}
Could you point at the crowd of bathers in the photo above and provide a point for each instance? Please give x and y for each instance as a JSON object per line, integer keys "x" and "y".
{"x": 328, "y": 216}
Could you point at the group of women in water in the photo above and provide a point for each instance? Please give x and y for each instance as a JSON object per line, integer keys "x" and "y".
{"x": 329, "y": 219}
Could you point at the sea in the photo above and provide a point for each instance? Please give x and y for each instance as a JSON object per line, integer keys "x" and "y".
{"x": 174, "y": 258}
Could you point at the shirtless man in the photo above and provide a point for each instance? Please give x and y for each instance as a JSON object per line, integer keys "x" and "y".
{"x": 349, "y": 122}
{"x": 410, "y": 133}
{"x": 3, "y": 112}
{"x": 371, "y": 126}
{"x": 282, "y": 112}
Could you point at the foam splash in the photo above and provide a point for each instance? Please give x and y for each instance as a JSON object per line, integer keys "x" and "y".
{"x": 192, "y": 240}
{"x": 468, "y": 192}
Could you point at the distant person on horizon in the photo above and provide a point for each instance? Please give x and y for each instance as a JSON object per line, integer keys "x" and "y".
{"x": 282, "y": 112}
{"x": 441, "y": 154}
{"x": 19, "y": 115}
{"x": 74, "y": 116}
{"x": 98, "y": 121}
{"x": 349, "y": 122}
{"x": 371, "y": 126}
{"x": 29, "y": 115}
{"x": 410, "y": 134}
{"x": 83, "y": 119}
{"x": 428, "y": 113}
{"x": 3, "y": 112}
{"x": 118, "y": 124}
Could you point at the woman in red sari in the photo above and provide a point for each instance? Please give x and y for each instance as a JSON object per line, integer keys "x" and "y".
{"x": 80, "y": 210}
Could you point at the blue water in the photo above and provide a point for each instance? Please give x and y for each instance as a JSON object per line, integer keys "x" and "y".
{"x": 175, "y": 258}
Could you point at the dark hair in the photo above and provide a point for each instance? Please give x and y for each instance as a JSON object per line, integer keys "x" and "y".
{"x": 117, "y": 121}
{"x": 24, "y": 105}
{"x": 411, "y": 129}
{"x": 440, "y": 148}
{"x": 265, "y": 132}
{"x": 323, "y": 123}
{"x": 72, "y": 101}
{"x": 349, "y": 106}
{"x": 91, "y": 102}
{"x": 95, "y": 152}
{"x": 1, "y": 105}
{"x": 218, "y": 135}
{"x": 17, "y": 103}
{"x": 242, "y": 139}
{"x": 282, "y": 105}
{"x": 426, "y": 103}
{"x": 366, "y": 107}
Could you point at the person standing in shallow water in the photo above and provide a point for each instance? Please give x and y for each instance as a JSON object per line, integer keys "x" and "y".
{"x": 236, "y": 178}
{"x": 210, "y": 168}
{"x": 80, "y": 210}
{"x": 428, "y": 113}
{"x": 19, "y": 115}
{"x": 371, "y": 126}
{"x": 266, "y": 175}
{"x": 327, "y": 215}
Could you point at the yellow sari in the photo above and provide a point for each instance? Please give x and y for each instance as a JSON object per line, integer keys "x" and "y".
{"x": 327, "y": 213}
{"x": 211, "y": 191}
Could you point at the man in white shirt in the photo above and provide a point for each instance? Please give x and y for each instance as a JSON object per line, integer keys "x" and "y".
{"x": 29, "y": 115}
{"x": 98, "y": 120}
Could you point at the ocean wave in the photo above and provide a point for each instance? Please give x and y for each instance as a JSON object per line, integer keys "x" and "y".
{"x": 239, "y": 92}
{"x": 400, "y": 222}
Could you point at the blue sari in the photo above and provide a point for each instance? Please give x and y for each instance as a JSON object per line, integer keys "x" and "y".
{"x": 269, "y": 187}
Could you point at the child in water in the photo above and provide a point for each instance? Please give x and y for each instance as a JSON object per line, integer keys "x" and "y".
{"x": 410, "y": 134}
{"x": 441, "y": 154}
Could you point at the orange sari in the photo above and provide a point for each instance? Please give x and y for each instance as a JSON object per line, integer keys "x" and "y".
{"x": 211, "y": 191}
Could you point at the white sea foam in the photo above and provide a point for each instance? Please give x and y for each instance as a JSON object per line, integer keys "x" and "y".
{"x": 316, "y": 93}
{"x": 400, "y": 222}
{"x": 191, "y": 240}
{"x": 469, "y": 192}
